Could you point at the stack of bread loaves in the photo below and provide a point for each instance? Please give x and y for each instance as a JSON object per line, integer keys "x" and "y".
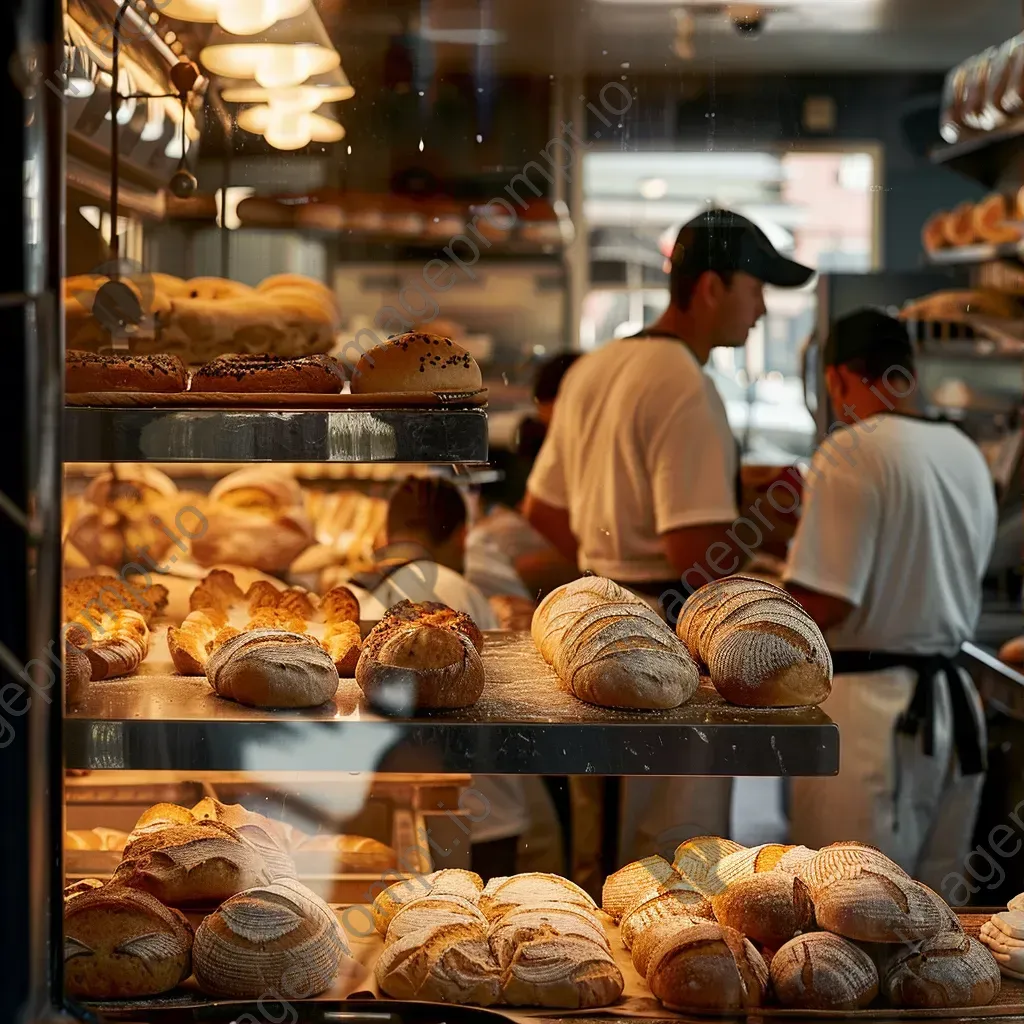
{"x": 759, "y": 646}
{"x": 198, "y": 320}
{"x": 526, "y": 940}
{"x": 422, "y": 656}
{"x": 220, "y": 612}
{"x": 838, "y": 926}
{"x": 610, "y": 648}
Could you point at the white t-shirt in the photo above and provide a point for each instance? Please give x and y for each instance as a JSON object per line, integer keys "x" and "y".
{"x": 902, "y": 528}
{"x": 424, "y": 580}
{"x": 639, "y": 445}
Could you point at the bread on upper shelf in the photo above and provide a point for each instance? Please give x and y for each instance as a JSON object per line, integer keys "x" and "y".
{"x": 759, "y": 646}
{"x": 416, "y": 362}
{"x": 610, "y": 648}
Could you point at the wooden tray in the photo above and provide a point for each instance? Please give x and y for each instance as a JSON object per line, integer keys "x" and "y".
{"x": 281, "y": 400}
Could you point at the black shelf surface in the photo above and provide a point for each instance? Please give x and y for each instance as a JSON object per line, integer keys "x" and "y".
{"x": 523, "y": 723}
{"x": 984, "y": 156}
{"x": 972, "y": 255}
{"x": 269, "y": 435}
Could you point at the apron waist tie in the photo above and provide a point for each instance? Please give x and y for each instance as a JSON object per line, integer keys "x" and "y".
{"x": 921, "y": 710}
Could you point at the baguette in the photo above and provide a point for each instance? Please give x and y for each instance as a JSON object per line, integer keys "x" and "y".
{"x": 120, "y": 943}
{"x": 759, "y": 646}
{"x": 280, "y": 938}
{"x": 821, "y": 971}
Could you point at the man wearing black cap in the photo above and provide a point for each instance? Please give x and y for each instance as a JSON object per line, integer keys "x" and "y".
{"x": 637, "y": 477}
{"x": 894, "y": 538}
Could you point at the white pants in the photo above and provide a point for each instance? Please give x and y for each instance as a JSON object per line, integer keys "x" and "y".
{"x": 661, "y": 812}
{"x": 917, "y": 809}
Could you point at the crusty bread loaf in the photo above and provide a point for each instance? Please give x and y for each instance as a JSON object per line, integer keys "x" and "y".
{"x": 117, "y": 645}
{"x": 280, "y": 938}
{"x": 120, "y": 943}
{"x": 794, "y": 858}
{"x": 770, "y": 908}
{"x": 538, "y": 920}
{"x": 760, "y": 647}
{"x": 695, "y": 859}
{"x": 343, "y": 642}
{"x": 432, "y": 912}
{"x": 821, "y": 971}
{"x": 531, "y": 887}
{"x": 184, "y": 865}
{"x": 424, "y": 613}
{"x": 737, "y": 866}
{"x": 77, "y": 671}
{"x": 270, "y": 668}
{"x": 610, "y": 648}
{"x": 708, "y": 967}
{"x": 677, "y": 903}
{"x": 876, "y": 906}
{"x": 568, "y": 973}
{"x": 845, "y": 860}
{"x": 951, "y": 969}
{"x": 91, "y": 371}
{"x": 265, "y": 374}
{"x": 416, "y": 362}
{"x": 421, "y": 667}
{"x": 647, "y": 877}
{"x": 446, "y": 882}
{"x": 647, "y": 941}
{"x": 162, "y": 815}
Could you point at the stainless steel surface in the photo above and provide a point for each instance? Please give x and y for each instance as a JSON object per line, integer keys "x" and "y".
{"x": 523, "y": 722}
{"x": 250, "y": 435}
{"x": 1000, "y": 685}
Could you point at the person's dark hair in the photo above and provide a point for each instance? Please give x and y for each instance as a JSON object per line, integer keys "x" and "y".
{"x": 682, "y": 284}
{"x": 426, "y": 507}
{"x": 873, "y": 365}
{"x": 549, "y": 375}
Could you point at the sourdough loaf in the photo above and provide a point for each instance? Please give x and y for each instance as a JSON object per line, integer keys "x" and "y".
{"x": 759, "y": 646}
{"x": 564, "y": 972}
{"x": 770, "y": 908}
{"x": 531, "y": 887}
{"x": 695, "y": 859}
{"x": 657, "y": 932}
{"x": 120, "y": 943}
{"x": 708, "y": 967}
{"x": 271, "y": 668}
{"x": 821, "y": 971}
{"x": 416, "y": 362}
{"x": 677, "y": 903}
{"x": 610, "y": 648}
{"x": 949, "y": 970}
{"x": 280, "y": 938}
{"x": 432, "y": 912}
{"x": 446, "y": 882}
{"x": 644, "y": 878}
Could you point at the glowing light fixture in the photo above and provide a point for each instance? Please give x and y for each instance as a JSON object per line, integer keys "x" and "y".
{"x": 332, "y": 87}
{"x": 286, "y": 54}
{"x": 240, "y": 17}
{"x": 288, "y": 129}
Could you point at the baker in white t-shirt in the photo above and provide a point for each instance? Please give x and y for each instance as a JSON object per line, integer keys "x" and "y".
{"x": 637, "y": 479}
{"x": 895, "y": 535}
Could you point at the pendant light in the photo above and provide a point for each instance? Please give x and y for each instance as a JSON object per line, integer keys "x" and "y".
{"x": 240, "y": 17}
{"x": 332, "y": 87}
{"x": 288, "y": 129}
{"x": 286, "y": 54}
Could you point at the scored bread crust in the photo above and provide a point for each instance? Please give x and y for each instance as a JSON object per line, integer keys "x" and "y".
{"x": 416, "y": 362}
{"x": 646, "y": 942}
{"x": 695, "y": 859}
{"x": 821, "y": 971}
{"x": 502, "y": 895}
{"x": 770, "y": 908}
{"x": 948, "y": 970}
{"x": 675, "y": 904}
{"x": 123, "y": 943}
{"x": 622, "y": 888}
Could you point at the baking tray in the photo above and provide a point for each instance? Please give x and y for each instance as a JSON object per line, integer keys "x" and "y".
{"x": 275, "y": 400}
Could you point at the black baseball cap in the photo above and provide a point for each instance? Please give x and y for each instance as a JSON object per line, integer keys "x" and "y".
{"x": 864, "y": 333}
{"x": 721, "y": 240}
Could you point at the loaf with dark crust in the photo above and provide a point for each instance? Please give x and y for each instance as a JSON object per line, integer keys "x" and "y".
{"x": 91, "y": 371}
{"x": 270, "y": 374}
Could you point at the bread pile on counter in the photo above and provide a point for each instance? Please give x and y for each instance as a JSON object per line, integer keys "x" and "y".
{"x": 526, "y": 940}
{"x": 287, "y": 315}
{"x": 268, "y": 933}
{"x": 723, "y": 928}
{"x": 758, "y": 645}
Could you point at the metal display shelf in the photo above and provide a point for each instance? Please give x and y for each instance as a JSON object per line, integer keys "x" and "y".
{"x": 970, "y": 255}
{"x": 523, "y": 723}
{"x": 984, "y": 156}
{"x": 267, "y": 435}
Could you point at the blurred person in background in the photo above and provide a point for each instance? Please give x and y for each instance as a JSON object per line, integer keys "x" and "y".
{"x": 424, "y": 560}
{"x": 893, "y": 542}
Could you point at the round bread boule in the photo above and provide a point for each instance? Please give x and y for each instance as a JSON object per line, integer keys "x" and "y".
{"x": 770, "y": 908}
{"x": 421, "y": 667}
{"x": 821, "y": 971}
{"x": 949, "y": 970}
{"x": 416, "y": 362}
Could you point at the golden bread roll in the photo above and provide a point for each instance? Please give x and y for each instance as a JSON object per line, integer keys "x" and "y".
{"x": 280, "y": 938}
{"x": 343, "y": 642}
{"x": 416, "y": 362}
{"x": 949, "y": 970}
{"x": 271, "y": 668}
{"x": 120, "y": 943}
{"x": 760, "y": 647}
{"x": 676, "y": 903}
{"x": 821, "y": 971}
{"x": 770, "y": 908}
{"x": 708, "y": 967}
{"x": 183, "y": 865}
{"x": 88, "y": 597}
{"x": 421, "y": 667}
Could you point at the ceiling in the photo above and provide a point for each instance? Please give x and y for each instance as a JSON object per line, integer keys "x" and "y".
{"x": 595, "y": 36}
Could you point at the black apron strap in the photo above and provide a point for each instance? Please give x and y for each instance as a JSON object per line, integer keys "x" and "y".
{"x": 920, "y": 712}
